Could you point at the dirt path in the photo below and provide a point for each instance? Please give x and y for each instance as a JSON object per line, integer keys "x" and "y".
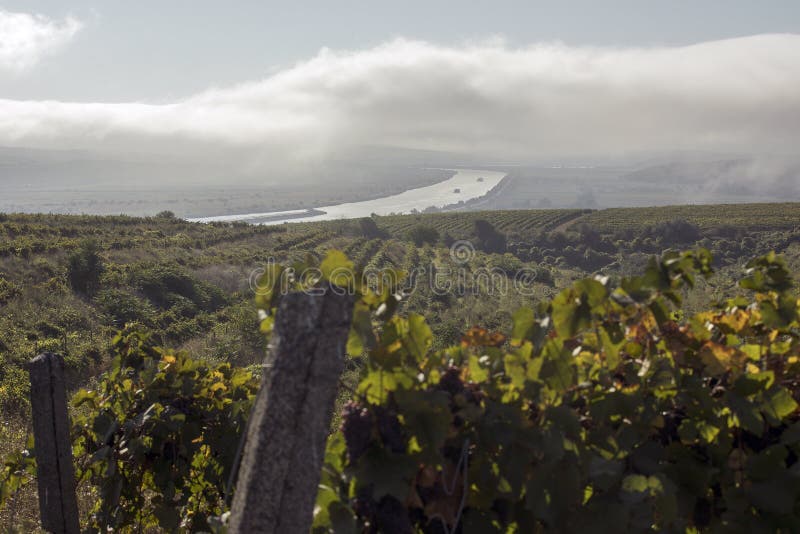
{"x": 563, "y": 226}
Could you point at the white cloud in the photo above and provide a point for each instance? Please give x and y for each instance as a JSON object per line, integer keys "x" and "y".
{"x": 25, "y": 38}
{"x": 540, "y": 101}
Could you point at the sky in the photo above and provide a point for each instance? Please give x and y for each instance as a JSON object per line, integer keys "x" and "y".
{"x": 300, "y": 80}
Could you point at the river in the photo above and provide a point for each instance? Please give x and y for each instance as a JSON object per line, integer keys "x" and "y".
{"x": 465, "y": 185}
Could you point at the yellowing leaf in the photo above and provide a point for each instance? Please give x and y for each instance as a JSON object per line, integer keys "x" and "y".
{"x": 720, "y": 359}
{"x": 736, "y": 321}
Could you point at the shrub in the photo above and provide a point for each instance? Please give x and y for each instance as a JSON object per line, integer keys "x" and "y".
{"x": 165, "y": 284}
{"x": 369, "y": 229}
{"x": 488, "y": 239}
{"x": 123, "y": 307}
{"x": 508, "y": 263}
{"x": 8, "y": 290}
{"x": 420, "y": 235}
{"x": 677, "y": 231}
{"x": 84, "y": 267}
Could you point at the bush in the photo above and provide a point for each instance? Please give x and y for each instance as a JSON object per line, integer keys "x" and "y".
{"x": 369, "y": 229}
{"x": 508, "y": 263}
{"x": 8, "y": 290}
{"x": 488, "y": 239}
{"x": 84, "y": 267}
{"x": 166, "y": 285}
{"x": 123, "y": 307}
{"x": 420, "y": 235}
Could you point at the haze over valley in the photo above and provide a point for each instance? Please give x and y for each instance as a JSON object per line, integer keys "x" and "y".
{"x": 615, "y": 122}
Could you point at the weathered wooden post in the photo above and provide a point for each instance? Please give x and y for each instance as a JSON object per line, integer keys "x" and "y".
{"x": 283, "y": 454}
{"x": 58, "y": 505}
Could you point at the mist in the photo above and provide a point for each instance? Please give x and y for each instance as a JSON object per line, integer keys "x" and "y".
{"x": 547, "y": 100}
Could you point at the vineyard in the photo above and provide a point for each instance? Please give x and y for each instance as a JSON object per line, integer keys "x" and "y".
{"x": 751, "y": 216}
{"x": 459, "y": 225}
{"x": 68, "y": 284}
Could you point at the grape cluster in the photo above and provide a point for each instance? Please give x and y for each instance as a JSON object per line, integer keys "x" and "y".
{"x": 363, "y": 504}
{"x": 357, "y": 426}
{"x": 358, "y": 423}
{"x": 387, "y": 516}
{"x": 391, "y": 517}
{"x": 451, "y": 382}
{"x": 390, "y": 430}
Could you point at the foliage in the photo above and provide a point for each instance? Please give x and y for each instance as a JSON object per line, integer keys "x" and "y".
{"x": 369, "y": 229}
{"x": 8, "y": 290}
{"x": 461, "y": 224}
{"x": 600, "y": 413}
{"x": 159, "y": 436}
{"x": 705, "y": 216}
{"x": 84, "y": 267}
{"x": 420, "y": 235}
{"x": 675, "y": 231}
{"x": 488, "y": 238}
{"x": 156, "y": 438}
{"x": 166, "y": 285}
{"x": 122, "y": 307}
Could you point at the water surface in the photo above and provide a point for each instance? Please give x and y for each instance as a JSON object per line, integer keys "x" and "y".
{"x": 465, "y": 185}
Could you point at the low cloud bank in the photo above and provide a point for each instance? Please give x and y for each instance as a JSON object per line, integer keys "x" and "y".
{"x": 542, "y": 101}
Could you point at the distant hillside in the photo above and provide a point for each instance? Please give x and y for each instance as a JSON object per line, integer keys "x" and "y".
{"x": 741, "y": 176}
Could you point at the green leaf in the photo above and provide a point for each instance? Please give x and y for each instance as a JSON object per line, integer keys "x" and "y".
{"x": 168, "y": 517}
{"x": 337, "y": 268}
{"x": 611, "y": 347}
{"x": 778, "y": 403}
{"x": 524, "y": 326}
{"x": 752, "y": 383}
{"x": 791, "y": 436}
{"x": 557, "y": 369}
{"x": 747, "y": 414}
{"x": 420, "y": 336}
{"x": 426, "y": 415}
{"x": 692, "y": 430}
{"x": 515, "y": 370}
{"x": 267, "y": 286}
{"x": 386, "y": 473}
{"x": 378, "y": 383}
{"x": 82, "y": 397}
{"x": 572, "y": 308}
{"x": 635, "y": 483}
{"x": 355, "y": 347}
{"x": 477, "y": 371}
